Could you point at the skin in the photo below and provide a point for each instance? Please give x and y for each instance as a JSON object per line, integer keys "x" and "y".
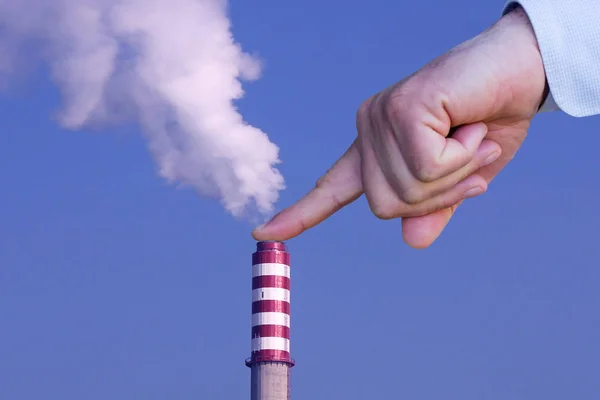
{"x": 434, "y": 139}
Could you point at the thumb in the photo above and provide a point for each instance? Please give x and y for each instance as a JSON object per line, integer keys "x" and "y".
{"x": 421, "y": 232}
{"x": 340, "y": 186}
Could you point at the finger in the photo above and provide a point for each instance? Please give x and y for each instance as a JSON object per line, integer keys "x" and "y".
{"x": 387, "y": 180}
{"x": 412, "y": 191}
{"x": 384, "y": 201}
{"x": 421, "y": 232}
{"x": 381, "y": 197}
{"x": 430, "y": 155}
{"x": 463, "y": 144}
{"x": 472, "y": 186}
{"x": 340, "y": 186}
{"x": 487, "y": 153}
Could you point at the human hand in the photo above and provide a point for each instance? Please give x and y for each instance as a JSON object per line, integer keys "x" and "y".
{"x": 420, "y": 149}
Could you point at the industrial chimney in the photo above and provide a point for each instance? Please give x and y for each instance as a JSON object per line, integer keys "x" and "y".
{"x": 270, "y": 359}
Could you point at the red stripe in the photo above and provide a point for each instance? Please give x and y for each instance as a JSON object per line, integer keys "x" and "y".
{"x": 271, "y": 245}
{"x": 271, "y": 331}
{"x": 279, "y": 257}
{"x": 270, "y": 306}
{"x": 271, "y": 355}
{"x": 272, "y": 281}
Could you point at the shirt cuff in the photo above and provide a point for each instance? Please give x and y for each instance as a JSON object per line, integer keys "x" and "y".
{"x": 568, "y": 35}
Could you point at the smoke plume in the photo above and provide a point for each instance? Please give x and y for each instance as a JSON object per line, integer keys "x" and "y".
{"x": 173, "y": 65}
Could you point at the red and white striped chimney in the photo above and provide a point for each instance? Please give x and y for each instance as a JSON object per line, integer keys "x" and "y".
{"x": 270, "y": 358}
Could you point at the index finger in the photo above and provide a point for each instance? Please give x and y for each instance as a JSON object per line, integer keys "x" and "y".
{"x": 340, "y": 186}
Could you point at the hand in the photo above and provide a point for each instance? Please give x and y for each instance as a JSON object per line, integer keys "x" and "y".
{"x": 420, "y": 149}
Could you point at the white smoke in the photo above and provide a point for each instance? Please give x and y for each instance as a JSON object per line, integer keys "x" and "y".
{"x": 171, "y": 64}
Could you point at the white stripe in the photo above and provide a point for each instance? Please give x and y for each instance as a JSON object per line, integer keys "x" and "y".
{"x": 271, "y": 318}
{"x": 270, "y": 343}
{"x": 271, "y": 269}
{"x": 271, "y": 294}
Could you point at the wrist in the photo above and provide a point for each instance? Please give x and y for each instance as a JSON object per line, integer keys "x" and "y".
{"x": 516, "y": 35}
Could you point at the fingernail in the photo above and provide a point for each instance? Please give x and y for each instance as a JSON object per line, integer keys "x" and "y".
{"x": 491, "y": 158}
{"x": 474, "y": 191}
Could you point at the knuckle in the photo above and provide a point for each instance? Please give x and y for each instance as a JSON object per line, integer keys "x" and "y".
{"x": 440, "y": 203}
{"x": 384, "y": 209}
{"x": 336, "y": 201}
{"x": 447, "y": 202}
{"x": 413, "y": 195}
{"x": 443, "y": 202}
{"x": 363, "y": 110}
{"x": 426, "y": 169}
{"x": 396, "y": 107}
{"x": 465, "y": 172}
{"x": 400, "y": 103}
{"x": 382, "y": 213}
{"x": 392, "y": 108}
{"x": 331, "y": 196}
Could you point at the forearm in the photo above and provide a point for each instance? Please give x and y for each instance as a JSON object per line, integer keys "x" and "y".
{"x": 568, "y": 34}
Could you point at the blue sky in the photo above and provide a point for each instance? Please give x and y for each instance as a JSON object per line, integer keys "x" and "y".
{"x": 114, "y": 284}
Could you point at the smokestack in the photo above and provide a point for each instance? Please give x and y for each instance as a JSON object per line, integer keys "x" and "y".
{"x": 270, "y": 359}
